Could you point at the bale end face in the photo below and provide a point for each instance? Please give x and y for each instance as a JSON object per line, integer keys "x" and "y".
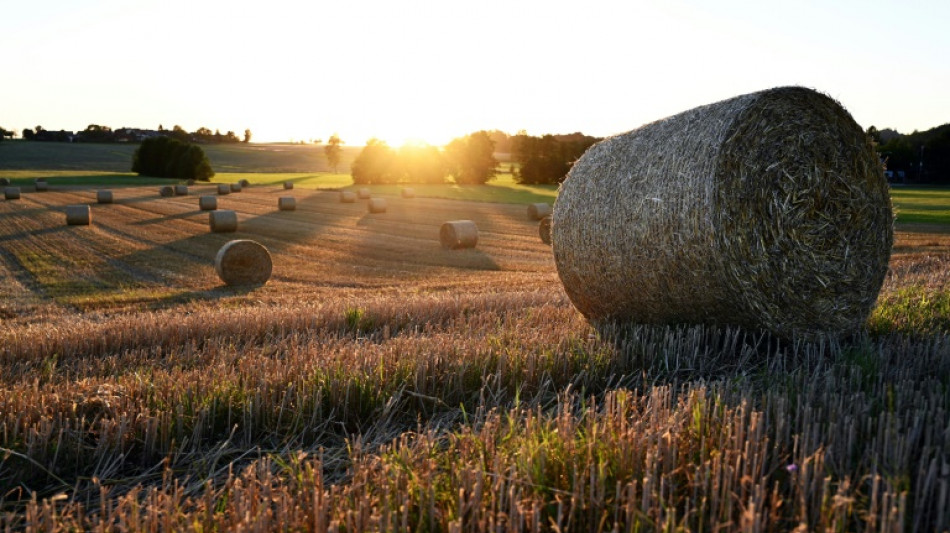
{"x": 235, "y": 187}
{"x": 538, "y": 211}
{"x": 78, "y": 215}
{"x": 166, "y": 191}
{"x": 377, "y": 205}
{"x": 224, "y": 188}
{"x": 458, "y": 234}
{"x": 224, "y": 221}
{"x": 347, "y": 197}
{"x": 208, "y": 203}
{"x": 544, "y": 229}
{"x": 11, "y": 193}
{"x": 288, "y": 185}
{"x": 287, "y": 203}
{"x": 104, "y": 197}
{"x": 244, "y": 183}
{"x": 243, "y": 262}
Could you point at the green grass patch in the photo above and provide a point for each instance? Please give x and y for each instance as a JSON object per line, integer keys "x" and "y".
{"x": 921, "y": 205}
{"x": 913, "y": 311}
{"x": 25, "y": 178}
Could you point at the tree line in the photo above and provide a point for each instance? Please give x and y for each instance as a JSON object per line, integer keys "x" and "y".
{"x": 918, "y": 157}
{"x": 96, "y": 133}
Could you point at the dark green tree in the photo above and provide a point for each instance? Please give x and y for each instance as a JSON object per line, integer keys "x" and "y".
{"x": 471, "y": 158}
{"x": 166, "y": 157}
{"x": 374, "y": 164}
{"x": 548, "y": 159}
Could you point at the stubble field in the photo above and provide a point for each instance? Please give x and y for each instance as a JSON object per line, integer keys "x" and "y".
{"x": 380, "y": 382}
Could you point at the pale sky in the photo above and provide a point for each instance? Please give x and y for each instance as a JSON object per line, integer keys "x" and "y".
{"x": 434, "y": 70}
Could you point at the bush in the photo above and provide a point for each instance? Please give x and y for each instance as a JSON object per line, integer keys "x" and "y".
{"x": 165, "y": 157}
{"x": 374, "y": 164}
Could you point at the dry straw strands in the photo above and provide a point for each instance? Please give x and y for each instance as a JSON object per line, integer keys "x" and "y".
{"x": 457, "y": 234}
{"x": 287, "y": 203}
{"x": 538, "y": 211}
{"x": 347, "y": 197}
{"x": 288, "y": 185}
{"x": 78, "y": 215}
{"x": 224, "y": 188}
{"x": 224, "y": 221}
{"x": 244, "y": 183}
{"x": 544, "y": 229}
{"x": 235, "y": 187}
{"x": 208, "y": 203}
{"x": 363, "y": 193}
{"x": 408, "y": 192}
{"x": 767, "y": 210}
{"x": 377, "y": 205}
{"x": 243, "y": 262}
{"x": 11, "y": 193}
{"x": 166, "y": 191}
{"x": 181, "y": 190}
{"x": 104, "y": 197}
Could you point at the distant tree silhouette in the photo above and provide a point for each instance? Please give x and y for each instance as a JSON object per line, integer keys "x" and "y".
{"x": 166, "y": 157}
{"x": 374, "y": 164}
{"x": 332, "y": 150}
{"x": 421, "y": 164}
{"x": 247, "y": 135}
{"x": 471, "y": 158}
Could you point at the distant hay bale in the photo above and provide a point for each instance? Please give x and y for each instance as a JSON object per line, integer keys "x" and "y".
{"x": 167, "y": 190}
{"x": 223, "y": 221}
{"x": 208, "y": 202}
{"x": 347, "y": 197}
{"x": 363, "y": 193}
{"x": 181, "y": 190}
{"x": 457, "y": 234}
{"x": 104, "y": 197}
{"x": 190, "y": 182}
{"x": 288, "y": 185}
{"x": 408, "y": 192}
{"x": 236, "y": 187}
{"x": 544, "y": 229}
{"x": 78, "y": 215}
{"x": 768, "y": 211}
{"x": 287, "y": 203}
{"x": 243, "y": 262}
{"x": 11, "y": 193}
{"x": 538, "y": 211}
{"x": 40, "y": 185}
{"x": 377, "y": 205}
{"x": 4, "y": 182}
{"x": 244, "y": 183}
{"x": 224, "y": 188}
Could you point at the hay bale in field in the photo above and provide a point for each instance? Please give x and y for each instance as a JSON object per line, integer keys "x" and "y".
{"x": 538, "y": 211}
{"x": 243, "y": 262}
{"x": 236, "y": 187}
{"x": 166, "y": 191}
{"x": 544, "y": 229}
{"x": 104, "y": 197}
{"x": 457, "y": 234}
{"x": 244, "y": 183}
{"x": 181, "y": 190}
{"x": 288, "y": 185}
{"x": 208, "y": 202}
{"x": 767, "y": 210}
{"x": 376, "y": 205}
{"x": 408, "y": 192}
{"x": 223, "y": 221}
{"x": 40, "y": 185}
{"x": 190, "y": 182}
{"x": 78, "y": 215}
{"x": 4, "y": 182}
{"x": 347, "y": 197}
{"x": 224, "y": 188}
{"x": 363, "y": 193}
{"x": 11, "y": 193}
{"x": 287, "y": 203}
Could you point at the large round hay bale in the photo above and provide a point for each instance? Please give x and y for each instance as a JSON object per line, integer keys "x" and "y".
{"x": 544, "y": 229}
{"x": 457, "y": 234}
{"x": 376, "y": 205}
{"x": 768, "y": 211}
{"x": 244, "y": 183}
{"x": 287, "y": 203}
{"x": 288, "y": 185}
{"x": 166, "y": 191}
{"x": 363, "y": 193}
{"x": 223, "y": 221}
{"x": 11, "y": 193}
{"x": 181, "y": 190}
{"x": 208, "y": 202}
{"x": 224, "y": 188}
{"x": 538, "y": 211}
{"x": 347, "y": 197}
{"x": 40, "y": 185}
{"x": 408, "y": 192}
{"x": 243, "y": 262}
{"x": 104, "y": 197}
{"x": 235, "y": 187}
{"x": 4, "y": 182}
{"x": 78, "y": 215}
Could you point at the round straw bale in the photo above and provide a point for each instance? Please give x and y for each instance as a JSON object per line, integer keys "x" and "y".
{"x": 167, "y": 190}
{"x": 243, "y": 262}
{"x": 457, "y": 234}
{"x": 544, "y": 229}
{"x": 287, "y": 203}
{"x": 181, "y": 190}
{"x": 104, "y": 197}
{"x": 408, "y": 192}
{"x": 347, "y": 197}
{"x": 288, "y": 185}
{"x": 244, "y": 183}
{"x": 40, "y": 185}
{"x": 223, "y": 221}
{"x": 363, "y": 193}
{"x": 235, "y": 187}
{"x": 768, "y": 211}
{"x": 4, "y": 182}
{"x": 190, "y": 183}
{"x": 224, "y": 188}
{"x": 11, "y": 193}
{"x": 78, "y": 215}
{"x": 377, "y": 205}
{"x": 208, "y": 202}
{"x": 538, "y": 211}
